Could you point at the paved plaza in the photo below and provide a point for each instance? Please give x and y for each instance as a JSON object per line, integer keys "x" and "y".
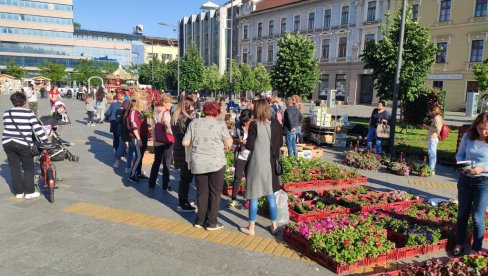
{"x": 101, "y": 224}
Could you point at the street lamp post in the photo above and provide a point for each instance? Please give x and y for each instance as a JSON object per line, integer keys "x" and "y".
{"x": 177, "y": 31}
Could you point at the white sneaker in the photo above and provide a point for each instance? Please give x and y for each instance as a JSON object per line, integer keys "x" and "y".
{"x": 19, "y": 196}
{"x": 33, "y": 195}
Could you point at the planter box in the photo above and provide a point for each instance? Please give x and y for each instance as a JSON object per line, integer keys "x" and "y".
{"x": 315, "y": 215}
{"x": 391, "y": 273}
{"x": 297, "y": 241}
{"x": 438, "y": 246}
{"x": 409, "y": 251}
{"x": 316, "y": 184}
{"x": 228, "y": 191}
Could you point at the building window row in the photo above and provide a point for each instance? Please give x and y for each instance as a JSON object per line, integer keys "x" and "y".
{"x": 476, "y": 53}
{"x": 480, "y": 8}
{"x": 371, "y": 16}
{"x": 31, "y": 32}
{"x": 104, "y": 38}
{"x": 345, "y": 15}
{"x": 445, "y": 13}
{"x": 36, "y": 5}
{"x": 37, "y": 61}
{"x": 311, "y": 21}
{"x": 36, "y": 19}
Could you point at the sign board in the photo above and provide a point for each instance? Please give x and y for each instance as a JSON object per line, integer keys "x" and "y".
{"x": 445, "y": 77}
{"x": 331, "y": 98}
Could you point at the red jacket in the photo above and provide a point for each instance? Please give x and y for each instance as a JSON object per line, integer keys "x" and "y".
{"x": 139, "y": 122}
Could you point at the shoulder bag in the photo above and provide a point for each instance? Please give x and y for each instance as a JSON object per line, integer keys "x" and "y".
{"x": 278, "y": 161}
{"x": 161, "y": 134}
{"x": 33, "y": 148}
{"x": 383, "y": 130}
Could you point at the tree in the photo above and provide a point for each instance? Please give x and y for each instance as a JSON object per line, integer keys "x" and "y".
{"x": 154, "y": 73}
{"x": 262, "y": 80}
{"x": 418, "y": 57}
{"x": 480, "y": 72}
{"x": 15, "y": 70}
{"x": 247, "y": 77}
{"x": 86, "y": 68}
{"x": 53, "y": 71}
{"x": 236, "y": 78}
{"x": 212, "y": 78}
{"x": 296, "y": 70}
{"x": 76, "y": 25}
{"x": 192, "y": 70}
{"x": 171, "y": 77}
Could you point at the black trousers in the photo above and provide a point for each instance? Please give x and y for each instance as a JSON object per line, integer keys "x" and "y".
{"x": 239, "y": 173}
{"x": 113, "y": 130}
{"x": 186, "y": 178}
{"x": 162, "y": 154}
{"x": 139, "y": 154}
{"x": 20, "y": 158}
{"x": 209, "y": 191}
{"x": 91, "y": 115}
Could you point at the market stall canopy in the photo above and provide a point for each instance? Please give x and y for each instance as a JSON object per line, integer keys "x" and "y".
{"x": 121, "y": 74}
{"x": 5, "y": 76}
{"x": 41, "y": 78}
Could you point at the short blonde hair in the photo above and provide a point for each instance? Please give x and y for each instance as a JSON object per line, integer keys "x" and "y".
{"x": 274, "y": 99}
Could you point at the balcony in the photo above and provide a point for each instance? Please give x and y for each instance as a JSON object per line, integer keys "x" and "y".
{"x": 343, "y": 59}
{"x": 471, "y": 64}
{"x": 371, "y": 22}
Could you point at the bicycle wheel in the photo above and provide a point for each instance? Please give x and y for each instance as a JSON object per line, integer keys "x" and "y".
{"x": 51, "y": 182}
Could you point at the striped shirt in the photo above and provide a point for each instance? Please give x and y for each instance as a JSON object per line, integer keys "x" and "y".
{"x": 26, "y": 121}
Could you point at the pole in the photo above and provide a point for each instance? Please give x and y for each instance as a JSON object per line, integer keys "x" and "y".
{"x": 231, "y": 49}
{"x": 178, "y": 57}
{"x": 152, "y": 64}
{"x": 396, "y": 87}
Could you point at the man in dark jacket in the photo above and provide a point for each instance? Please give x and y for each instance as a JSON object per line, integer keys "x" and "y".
{"x": 291, "y": 123}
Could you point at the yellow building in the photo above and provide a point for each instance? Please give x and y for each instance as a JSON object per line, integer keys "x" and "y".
{"x": 160, "y": 48}
{"x": 460, "y": 29}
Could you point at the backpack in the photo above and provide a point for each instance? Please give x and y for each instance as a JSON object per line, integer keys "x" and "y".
{"x": 119, "y": 115}
{"x": 444, "y": 132}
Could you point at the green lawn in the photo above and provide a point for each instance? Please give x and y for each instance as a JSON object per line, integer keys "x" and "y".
{"x": 414, "y": 142}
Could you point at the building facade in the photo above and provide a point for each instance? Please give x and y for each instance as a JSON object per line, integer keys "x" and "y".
{"x": 210, "y": 31}
{"x": 460, "y": 30}
{"x": 339, "y": 30}
{"x": 160, "y": 48}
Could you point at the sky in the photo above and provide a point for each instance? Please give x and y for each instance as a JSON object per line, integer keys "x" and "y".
{"x": 122, "y": 15}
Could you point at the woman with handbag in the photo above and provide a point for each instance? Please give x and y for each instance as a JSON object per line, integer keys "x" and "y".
{"x": 379, "y": 119}
{"x": 264, "y": 167}
{"x": 139, "y": 135}
{"x": 19, "y": 123}
{"x": 435, "y": 127}
{"x": 163, "y": 140}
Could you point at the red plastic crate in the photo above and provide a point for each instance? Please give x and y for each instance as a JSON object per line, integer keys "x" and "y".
{"x": 438, "y": 246}
{"x": 297, "y": 241}
{"x": 389, "y": 273}
{"x": 409, "y": 251}
{"x": 315, "y": 215}
{"x": 336, "y": 267}
{"x": 314, "y": 184}
{"x": 227, "y": 191}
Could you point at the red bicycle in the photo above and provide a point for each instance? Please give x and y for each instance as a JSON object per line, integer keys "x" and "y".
{"x": 48, "y": 171}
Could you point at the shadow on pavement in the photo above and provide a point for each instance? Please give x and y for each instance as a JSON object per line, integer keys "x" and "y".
{"x": 5, "y": 173}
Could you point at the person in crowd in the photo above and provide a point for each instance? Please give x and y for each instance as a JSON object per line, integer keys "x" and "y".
{"x": 124, "y": 137}
{"x": 43, "y": 91}
{"x": 207, "y": 138}
{"x": 64, "y": 114}
{"x": 241, "y": 132}
{"x": 115, "y": 110}
{"x": 276, "y": 110}
{"x": 379, "y": 116}
{"x": 179, "y": 124}
{"x": 264, "y": 142}
{"x": 291, "y": 123}
{"x": 162, "y": 152}
{"x": 31, "y": 96}
{"x": 243, "y": 104}
{"x": 101, "y": 105}
{"x": 79, "y": 93}
{"x": 473, "y": 184}
{"x": 435, "y": 127}
{"x": 297, "y": 100}
{"x": 54, "y": 95}
{"x": 223, "y": 109}
{"x": 90, "y": 109}
{"x": 16, "y": 144}
{"x": 139, "y": 136}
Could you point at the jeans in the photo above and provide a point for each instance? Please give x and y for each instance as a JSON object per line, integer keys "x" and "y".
{"x": 372, "y": 138}
{"x": 129, "y": 156}
{"x": 186, "y": 177}
{"x": 239, "y": 173}
{"x": 113, "y": 129}
{"x": 20, "y": 159}
{"x": 209, "y": 191}
{"x": 432, "y": 152}
{"x": 139, "y": 152}
{"x": 253, "y": 208}
{"x": 291, "y": 143}
{"x": 91, "y": 115}
{"x": 473, "y": 200}
{"x": 162, "y": 154}
{"x": 300, "y": 134}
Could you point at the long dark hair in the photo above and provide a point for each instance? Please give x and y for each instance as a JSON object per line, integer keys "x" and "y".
{"x": 472, "y": 132}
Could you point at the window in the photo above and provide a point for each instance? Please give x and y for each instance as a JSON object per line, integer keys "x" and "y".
{"x": 152, "y": 55}
{"x": 371, "y": 10}
{"x": 415, "y": 12}
{"x": 245, "y": 32}
{"x": 325, "y": 48}
{"x": 445, "y": 10}
{"x": 438, "y": 85}
{"x": 244, "y": 55}
{"x": 327, "y": 16}
{"x": 259, "y": 54}
{"x": 368, "y": 38}
{"x": 342, "y": 47}
{"x": 271, "y": 28}
{"x": 480, "y": 9}
{"x": 472, "y": 86}
{"x": 340, "y": 86}
{"x": 270, "y": 53}
{"x": 283, "y": 25}
{"x": 296, "y": 24}
{"x": 260, "y": 29}
{"x": 324, "y": 86}
{"x": 441, "y": 55}
{"x": 476, "y": 51}
{"x": 345, "y": 15}
{"x": 311, "y": 20}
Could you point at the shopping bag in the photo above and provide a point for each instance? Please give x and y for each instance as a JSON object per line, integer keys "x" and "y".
{"x": 282, "y": 205}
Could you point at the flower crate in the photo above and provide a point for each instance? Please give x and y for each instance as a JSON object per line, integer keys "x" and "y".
{"x": 314, "y": 184}
{"x": 296, "y": 241}
{"x": 409, "y": 251}
{"x": 390, "y": 273}
{"x": 315, "y": 215}
{"x": 338, "y": 268}
{"x": 438, "y": 246}
{"x": 227, "y": 191}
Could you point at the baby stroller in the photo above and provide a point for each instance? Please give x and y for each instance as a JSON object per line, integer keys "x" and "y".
{"x": 60, "y": 150}
{"x": 60, "y": 113}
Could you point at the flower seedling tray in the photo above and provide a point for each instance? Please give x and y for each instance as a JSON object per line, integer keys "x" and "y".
{"x": 295, "y": 216}
{"x": 409, "y": 251}
{"x": 227, "y": 191}
{"x": 317, "y": 184}
{"x": 438, "y": 246}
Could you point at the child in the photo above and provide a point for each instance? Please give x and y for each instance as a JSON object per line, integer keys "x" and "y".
{"x": 90, "y": 109}
{"x": 64, "y": 115}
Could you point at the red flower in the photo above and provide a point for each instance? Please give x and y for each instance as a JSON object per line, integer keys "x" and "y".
{"x": 347, "y": 243}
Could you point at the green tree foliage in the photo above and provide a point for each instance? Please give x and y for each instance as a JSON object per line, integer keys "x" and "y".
{"x": 154, "y": 73}
{"x": 212, "y": 78}
{"x": 192, "y": 70}
{"x": 86, "y": 68}
{"x": 54, "y": 71}
{"x": 15, "y": 70}
{"x": 418, "y": 57}
{"x": 236, "y": 79}
{"x": 296, "y": 70}
{"x": 262, "y": 80}
{"x": 171, "y": 77}
{"x": 76, "y": 25}
{"x": 248, "y": 82}
{"x": 415, "y": 112}
{"x": 481, "y": 75}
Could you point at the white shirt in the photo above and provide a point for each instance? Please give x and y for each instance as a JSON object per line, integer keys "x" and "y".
{"x": 30, "y": 95}
{"x": 243, "y": 154}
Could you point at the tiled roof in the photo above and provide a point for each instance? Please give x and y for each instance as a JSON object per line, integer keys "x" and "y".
{"x": 270, "y": 4}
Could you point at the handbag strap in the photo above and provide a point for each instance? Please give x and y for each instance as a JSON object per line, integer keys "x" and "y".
{"x": 18, "y": 129}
